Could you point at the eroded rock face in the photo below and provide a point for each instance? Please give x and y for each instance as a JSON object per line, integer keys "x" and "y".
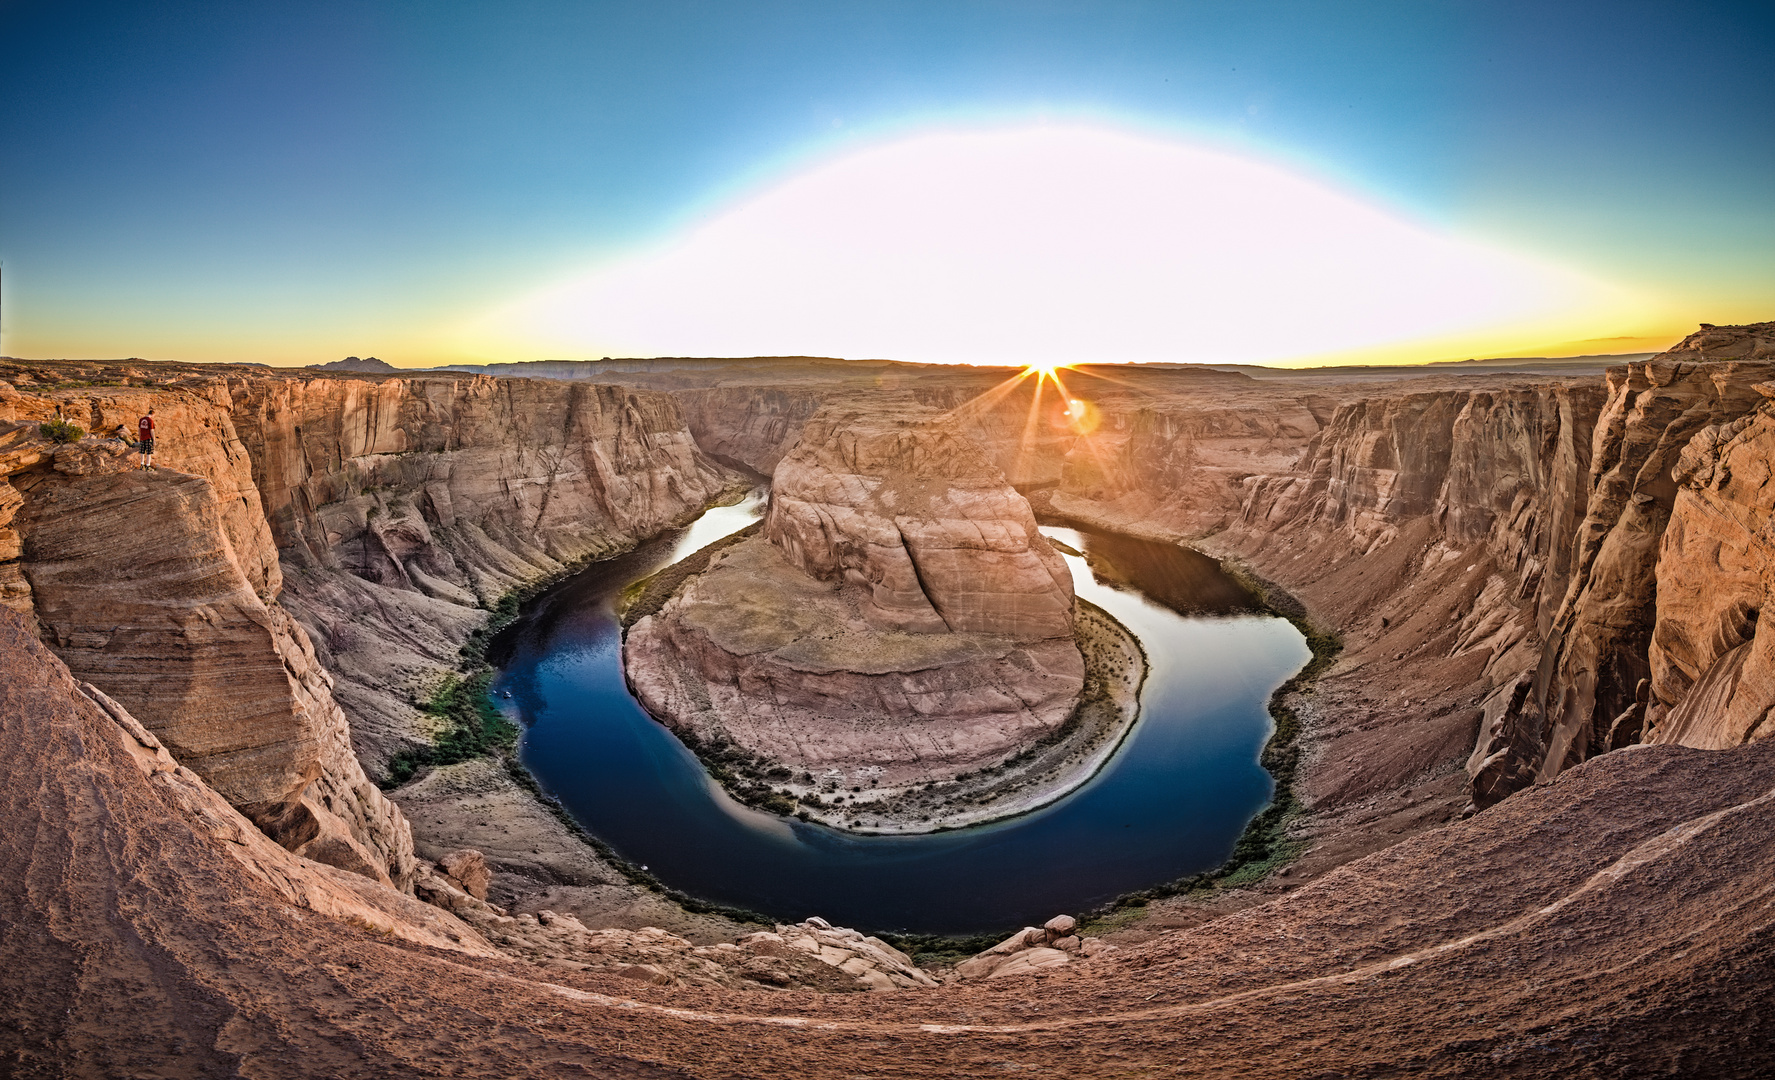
{"x": 756, "y": 653}
{"x": 160, "y": 587}
{"x": 95, "y": 773}
{"x": 1712, "y": 659}
{"x": 754, "y": 425}
{"x": 169, "y": 623}
{"x": 522, "y": 476}
{"x": 402, "y": 505}
{"x": 899, "y": 502}
{"x": 1590, "y": 689}
{"x": 398, "y": 506}
{"x": 900, "y": 620}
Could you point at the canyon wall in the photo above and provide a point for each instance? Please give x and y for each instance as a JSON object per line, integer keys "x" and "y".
{"x": 1503, "y": 472}
{"x": 1664, "y": 423}
{"x": 752, "y": 425}
{"x": 1712, "y": 685}
{"x": 160, "y": 587}
{"x": 1166, "y": 453}
{"x": 296, "y": 526}
{"x": 1614, "y": 922}
{"x": 1166, "y": 450}
{"x": 403, "y": 507}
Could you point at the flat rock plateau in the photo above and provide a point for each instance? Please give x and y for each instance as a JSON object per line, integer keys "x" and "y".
{"x": 1536, "y": 783}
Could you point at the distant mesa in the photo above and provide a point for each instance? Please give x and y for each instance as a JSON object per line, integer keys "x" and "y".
{"x": 352, "y": 363}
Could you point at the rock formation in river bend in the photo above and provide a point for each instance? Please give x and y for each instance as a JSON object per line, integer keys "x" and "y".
{"x": 900, "y": 618}
{"x": 135, "y": 898}
{"x": 911, "y": 510}
{"x": 1566, "y": 925}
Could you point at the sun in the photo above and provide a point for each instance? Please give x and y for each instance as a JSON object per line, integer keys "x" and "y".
{"x": 1045, "y": 371}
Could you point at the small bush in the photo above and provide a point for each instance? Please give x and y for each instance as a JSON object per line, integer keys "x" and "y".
{"x": 62, "y": 431}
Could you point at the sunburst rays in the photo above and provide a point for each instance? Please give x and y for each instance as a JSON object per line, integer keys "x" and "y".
{"x": 1053, "y": 414}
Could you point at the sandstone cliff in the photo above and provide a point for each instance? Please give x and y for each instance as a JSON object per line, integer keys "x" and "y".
{"x": 1711, "y": 680}
{"x": 1588, "y": 691}
{"x": 753, "y": 425}
{"x": 160, "y": 587}
{"x": 403, "y": 507}
{"x": 398, "y": 507}
{"x": 1572, "y": 933}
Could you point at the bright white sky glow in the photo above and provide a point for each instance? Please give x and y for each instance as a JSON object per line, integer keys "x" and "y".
{"x": 1047, "y": 244}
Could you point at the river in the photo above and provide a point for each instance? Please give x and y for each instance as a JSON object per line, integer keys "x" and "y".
{"x": 1171, "y": 802}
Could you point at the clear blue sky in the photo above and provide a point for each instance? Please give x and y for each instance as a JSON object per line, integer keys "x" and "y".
{"x": 295, "y": 181}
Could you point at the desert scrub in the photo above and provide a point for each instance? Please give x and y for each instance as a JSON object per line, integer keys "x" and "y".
{"x": 61, "y": 431}
{"x": 745, "y": 775}
{"x": 468, "y": 727}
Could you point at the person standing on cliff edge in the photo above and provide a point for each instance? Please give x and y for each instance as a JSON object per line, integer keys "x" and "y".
{"x": 145, "y": 439}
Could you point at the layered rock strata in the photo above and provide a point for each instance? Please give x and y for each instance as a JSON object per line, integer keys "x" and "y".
{"x": 85, "y": 770}
{"x": 903, "y": 505}
{"x": 1573, "y": 930}
{"x": 1712, "y": 679}
{"x": 900, "y": 620}
{"x": 1663, "y": 425}
{"x": 400, "y": 508}
{"x": 403, "y": 507}
{"x": 160, "y": 587}
{"x": 96, "y": 796}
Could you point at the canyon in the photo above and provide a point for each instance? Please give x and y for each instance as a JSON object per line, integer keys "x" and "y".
{"x": 1547, "y": 723}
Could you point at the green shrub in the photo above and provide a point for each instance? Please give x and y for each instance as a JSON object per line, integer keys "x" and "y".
{"x": 62, "y": 431}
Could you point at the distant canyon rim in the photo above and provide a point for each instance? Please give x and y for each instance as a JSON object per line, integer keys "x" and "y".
{"x": 247, "y": 782}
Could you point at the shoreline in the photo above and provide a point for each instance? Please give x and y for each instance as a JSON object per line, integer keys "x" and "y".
{"x": 1035, "y": 776}
{"x": 1100, "y": 723}
{"x": 1265, "y": 845}
{"x": 1264, "y": 837}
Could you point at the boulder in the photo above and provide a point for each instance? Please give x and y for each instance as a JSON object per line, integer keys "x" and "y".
{"x": 467, "y": 869}
{"x": 1030, "y": 949}
{"x": 1030, "y": 960}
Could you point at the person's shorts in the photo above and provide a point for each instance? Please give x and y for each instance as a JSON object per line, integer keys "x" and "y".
{"x": 146, "y": 446}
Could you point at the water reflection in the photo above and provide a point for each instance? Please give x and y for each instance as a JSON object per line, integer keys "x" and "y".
{"x": 1184, "y": 580}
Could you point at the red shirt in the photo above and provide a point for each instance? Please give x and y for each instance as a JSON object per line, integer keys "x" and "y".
{"x": 145, "y": 429}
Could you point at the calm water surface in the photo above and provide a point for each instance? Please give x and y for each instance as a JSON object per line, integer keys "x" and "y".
{"x": 1171, "y": 802}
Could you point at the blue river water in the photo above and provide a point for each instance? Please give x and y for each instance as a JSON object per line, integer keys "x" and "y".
{"x": 1171, "y": 802}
